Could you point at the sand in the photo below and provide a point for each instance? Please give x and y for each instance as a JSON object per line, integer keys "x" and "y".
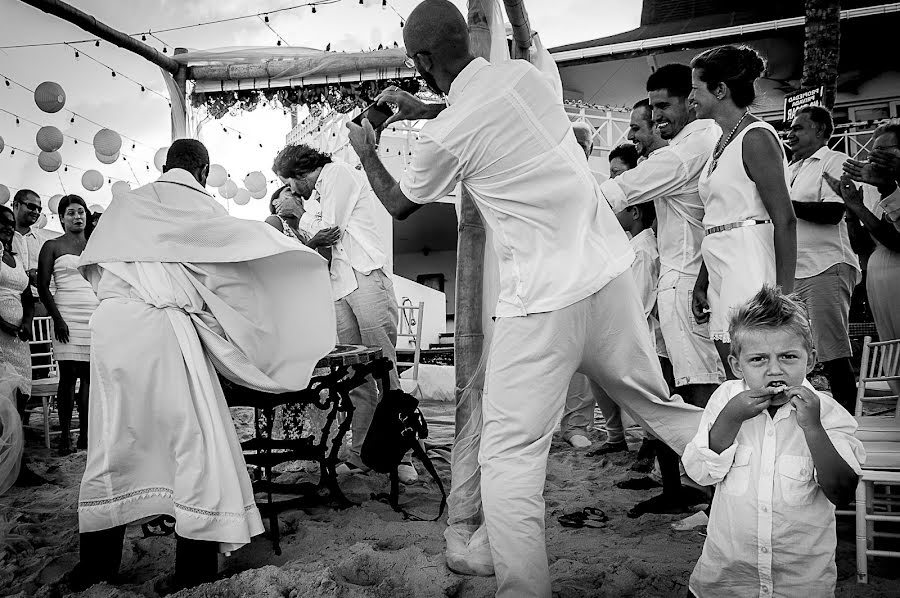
{"x": 370, "y": 551}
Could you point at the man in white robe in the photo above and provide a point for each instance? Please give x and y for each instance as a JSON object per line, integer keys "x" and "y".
{"x": 185, "y": 291}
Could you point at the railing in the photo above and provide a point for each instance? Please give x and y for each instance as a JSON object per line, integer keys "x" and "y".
{"x": 609, "y": 128}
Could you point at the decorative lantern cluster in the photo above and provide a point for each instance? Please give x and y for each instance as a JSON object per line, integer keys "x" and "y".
{"x": 217, "y": 176}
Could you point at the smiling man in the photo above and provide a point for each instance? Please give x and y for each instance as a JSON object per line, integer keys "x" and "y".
{"x": 668, "y": 178}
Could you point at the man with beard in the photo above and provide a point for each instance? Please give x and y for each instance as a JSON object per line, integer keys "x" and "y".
{"x": 567, "y": 299}
{"x": 668, "y": 177}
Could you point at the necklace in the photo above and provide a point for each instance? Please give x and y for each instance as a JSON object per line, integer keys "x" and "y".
{"x": 720, "y": 147}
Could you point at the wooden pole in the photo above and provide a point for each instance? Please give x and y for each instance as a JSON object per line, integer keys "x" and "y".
{"x": 521, "y": 28}
{"x": 90, "y": 24}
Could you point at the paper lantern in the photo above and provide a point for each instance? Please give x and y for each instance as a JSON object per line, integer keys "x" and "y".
{"x": 4, "y": 194}
{"x": 259, "y": 194}
{"x": 217, "y": 176}
{"x": 41, "y": 221}
{"x": 53, "y": 204}
{"x": 49, "y": 139}
{"x": 2, "y": 145}
{"x": 50, "y": 97}
{"x": 159, "y": 160}
{"x": 92, "y": 180}
{"x": 104, "y": 159}
{"x": 255, "y": 181}
{"x": 95, "y": 208}
{"x": 107, "y": 142}
{"x": 242, "y": 197}
{"x": 229, "y": 189}
{"x": 49, "y": 161}
{"x": 120, "y": 188}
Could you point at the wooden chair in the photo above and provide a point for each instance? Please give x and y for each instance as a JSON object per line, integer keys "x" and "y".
{"x": 410, "y": 328}
{"x": 880, "y": 435}
{"x": 46, "y": 386}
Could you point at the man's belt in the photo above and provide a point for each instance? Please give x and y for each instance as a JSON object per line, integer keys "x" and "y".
{"x": 722, "y": 228}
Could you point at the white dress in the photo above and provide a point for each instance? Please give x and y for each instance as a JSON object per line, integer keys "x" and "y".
{"x": 15, "y": 372}
{"x": 76, "y": 301}
{"x": 741, "y": 260}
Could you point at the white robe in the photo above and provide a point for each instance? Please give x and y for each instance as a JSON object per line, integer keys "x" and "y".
{"x": 186, "y": 290}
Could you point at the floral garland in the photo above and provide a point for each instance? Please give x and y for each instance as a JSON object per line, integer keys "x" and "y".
{"x": 341, "y": 97}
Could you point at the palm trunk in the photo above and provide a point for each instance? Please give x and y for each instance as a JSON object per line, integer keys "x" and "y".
{"x": 822, "y": 47}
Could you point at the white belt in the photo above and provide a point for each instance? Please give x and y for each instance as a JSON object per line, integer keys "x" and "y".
{"x": 724, "y": 227}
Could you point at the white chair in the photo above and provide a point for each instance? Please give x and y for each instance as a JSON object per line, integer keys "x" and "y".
{"x": 410, "y": 328}
{"x": 46, "y": 386}
{"x": 880, "y": 435}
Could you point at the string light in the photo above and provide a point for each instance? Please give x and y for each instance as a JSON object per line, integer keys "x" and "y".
{"x": 97, "y": 43}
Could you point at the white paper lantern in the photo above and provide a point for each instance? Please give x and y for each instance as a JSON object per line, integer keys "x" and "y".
{"x": 49, "y": 161}
{"x": 242, "y": 197}
{"x": 217, "y": 176}
{"x": 104, "y": 159}
{"x": 95, "y": 208}
{"x": 2, "y": 145}
{"x": 107, "y": 142}
{"x": 229, "y": 189}
{"x": 4, "y": 194}
{"x": 120, "y": 188}
{"x": 259, "y": 194}
{"x": 255, "y": 181}
{"x": 49, "y": 139}
{"x": 50, "y": 97}
{"x": 53, "y": 204}
{"x": 92, "y": 180}
{"x": 41, "y": 221}
{"x": 159, "y": 160}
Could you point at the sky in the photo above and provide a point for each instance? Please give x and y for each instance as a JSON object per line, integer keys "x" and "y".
{"x": 142, "y": 118}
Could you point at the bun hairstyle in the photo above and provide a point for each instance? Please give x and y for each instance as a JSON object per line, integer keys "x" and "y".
{"x": 738, "y": 67}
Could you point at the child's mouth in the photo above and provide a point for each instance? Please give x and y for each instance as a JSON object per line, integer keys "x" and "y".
{"x": 779, "y": 398}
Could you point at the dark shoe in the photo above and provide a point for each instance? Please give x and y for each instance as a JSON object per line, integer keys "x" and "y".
{"x": 81, "y": 445}
{"x": 587, "y": 517}
{"x": 642, "y": 465}
{"x": 643, "y": 483}
{"x": 662, "y": 504}
{"x": 609, "y": 447}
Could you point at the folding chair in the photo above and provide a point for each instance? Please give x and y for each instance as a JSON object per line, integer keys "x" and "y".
{"x": 410, "y": 328}
{"x": 43, "y": 387}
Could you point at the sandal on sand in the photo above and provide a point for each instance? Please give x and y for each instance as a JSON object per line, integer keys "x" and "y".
{"x": 586, "y": 517}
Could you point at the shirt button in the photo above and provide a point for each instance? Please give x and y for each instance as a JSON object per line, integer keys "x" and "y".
{"x": 804, "y": 472}
{"x": 764, "y": 550}
{"x": 764, "y": 509}
{"x": 770, "y": 433}
{"x": 765, "y": 590}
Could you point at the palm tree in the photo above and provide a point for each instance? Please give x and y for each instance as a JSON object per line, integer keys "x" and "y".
{"x": 822, "y": 47}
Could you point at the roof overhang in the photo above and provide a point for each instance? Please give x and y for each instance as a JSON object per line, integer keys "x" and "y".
{"x": 640, "y": 47}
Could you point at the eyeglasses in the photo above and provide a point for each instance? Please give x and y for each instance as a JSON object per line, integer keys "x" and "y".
{"x": 34, "y": 207}
{"x": 411, "y": 58}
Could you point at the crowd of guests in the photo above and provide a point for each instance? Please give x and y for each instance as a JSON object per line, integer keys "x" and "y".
{"x": 663, "y": 295}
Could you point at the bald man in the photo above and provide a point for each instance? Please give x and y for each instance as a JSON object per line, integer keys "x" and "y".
{"x": 567, "y": 299}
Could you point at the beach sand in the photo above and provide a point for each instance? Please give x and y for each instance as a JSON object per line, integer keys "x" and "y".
{"x": 371, "y": 551}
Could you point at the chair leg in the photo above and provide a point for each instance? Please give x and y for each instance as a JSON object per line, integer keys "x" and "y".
{"x": 45, "y": 407}
{"x": 870, "y": 508}
{"x": 862, "y": 574}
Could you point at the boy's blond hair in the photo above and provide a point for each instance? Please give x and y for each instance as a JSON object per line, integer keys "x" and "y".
{"x": 770, "y": 309}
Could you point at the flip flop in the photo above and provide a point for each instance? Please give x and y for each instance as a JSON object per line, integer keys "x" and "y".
{"x": 587, "y": 517}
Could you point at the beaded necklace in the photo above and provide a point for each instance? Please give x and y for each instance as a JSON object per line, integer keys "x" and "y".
{"x": 720, "y": 147}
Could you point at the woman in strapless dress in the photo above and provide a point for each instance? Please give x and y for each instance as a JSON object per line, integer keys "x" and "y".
{"x": 71, "y": 307}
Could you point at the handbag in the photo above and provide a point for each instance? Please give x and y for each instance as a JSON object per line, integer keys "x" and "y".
{"x": 397, "y": 427}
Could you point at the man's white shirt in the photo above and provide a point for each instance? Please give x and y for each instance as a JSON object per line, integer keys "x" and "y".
{"x": 669, "y": 177}
{"x": 346, "y": 200}
{"x": 505, "y": 137}
{"x": 819, "y": 246}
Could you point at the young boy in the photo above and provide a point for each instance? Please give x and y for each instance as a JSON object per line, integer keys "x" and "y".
{"x": 781, "y": 455}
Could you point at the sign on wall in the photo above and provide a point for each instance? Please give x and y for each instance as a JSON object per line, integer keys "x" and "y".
{"x": 800, "y": 99}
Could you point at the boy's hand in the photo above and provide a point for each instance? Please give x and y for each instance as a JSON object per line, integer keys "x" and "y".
{"x": 808, "y": 407}
{"x": 748, "y": 404}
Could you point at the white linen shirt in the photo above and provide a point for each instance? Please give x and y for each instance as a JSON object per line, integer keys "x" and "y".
{"x": 669, "y": 178}
{"x": 506, "y": 139}
{"x": 645, "y": 270}
{"x": 346, "y": 200}
{"x": 819, "y": 246}
{"x": 891, "y": 206}
{"x": 29, "y": 245}
{"x": 771, "y": 531}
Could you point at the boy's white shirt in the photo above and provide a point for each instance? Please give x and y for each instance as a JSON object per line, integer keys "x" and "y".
{"x": 645, "y": 270}
{"x": 771, "y": 529}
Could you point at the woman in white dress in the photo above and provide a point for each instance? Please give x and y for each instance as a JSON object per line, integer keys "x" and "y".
{"x": 71, "y": 307}
{"x": 751, "y": 237}
{"x": 16, "y": 307}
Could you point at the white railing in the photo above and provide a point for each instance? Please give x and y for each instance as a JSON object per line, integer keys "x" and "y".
{"x": 609, "y": 128}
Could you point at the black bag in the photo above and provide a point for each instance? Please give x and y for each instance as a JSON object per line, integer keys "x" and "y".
{"x": 397, "y": 426}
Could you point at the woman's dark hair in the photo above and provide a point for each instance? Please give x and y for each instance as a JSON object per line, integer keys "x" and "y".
{"x": 627, "y": 153}
{"x": 298, "y": 160}
{"x": 736, "y": 67}
{"x": 8, "y": 210}
{"x": 275, "y": 196}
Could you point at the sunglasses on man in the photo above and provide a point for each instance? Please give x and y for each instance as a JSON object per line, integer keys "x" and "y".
{"x": 34, "y": 207}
